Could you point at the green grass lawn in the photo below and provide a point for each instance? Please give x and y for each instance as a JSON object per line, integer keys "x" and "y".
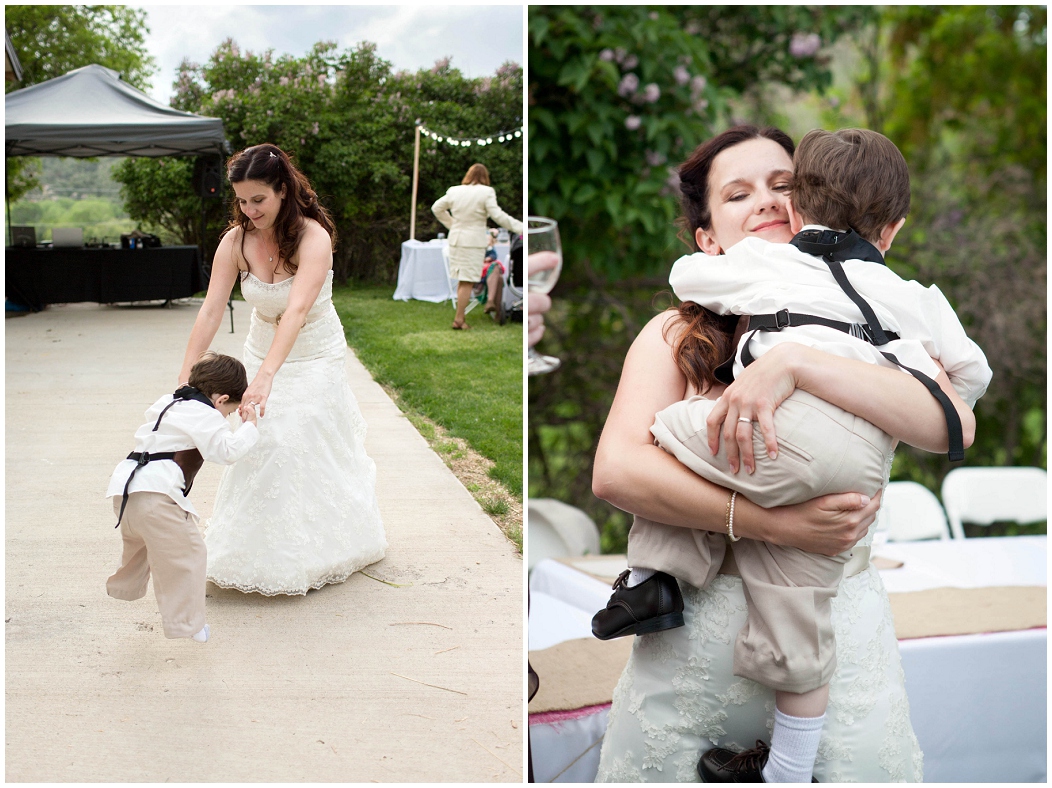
{"x": 469, "y": 382}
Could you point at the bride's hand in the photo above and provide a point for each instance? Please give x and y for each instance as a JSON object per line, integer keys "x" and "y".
{"x": 828, "y": 525}
{"x": 754, "y": 395}
{"x": 256, "y": 394}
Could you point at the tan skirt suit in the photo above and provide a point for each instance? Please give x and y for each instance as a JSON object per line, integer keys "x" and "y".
{"x": 464, "y": 209}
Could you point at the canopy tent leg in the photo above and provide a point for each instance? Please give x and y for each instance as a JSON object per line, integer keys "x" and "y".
{"x": 7, "y": 201}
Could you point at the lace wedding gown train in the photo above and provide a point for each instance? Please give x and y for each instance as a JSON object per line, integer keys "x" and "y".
{"x": 300, "y": 510}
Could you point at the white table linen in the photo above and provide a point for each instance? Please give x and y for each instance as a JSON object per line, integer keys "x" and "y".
{"x": 977, "y": 702}
{"x": 423, "y": 271}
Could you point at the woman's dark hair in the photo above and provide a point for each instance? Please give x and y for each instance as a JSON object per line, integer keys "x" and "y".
{"x": 705, "y": 339}
{"x": 270, "y": 165}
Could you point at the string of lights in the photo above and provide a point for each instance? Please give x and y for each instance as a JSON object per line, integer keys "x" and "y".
{"x": 487, "y": 139}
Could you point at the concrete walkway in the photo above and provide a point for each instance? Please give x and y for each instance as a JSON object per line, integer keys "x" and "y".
{"x": 328, "y": 687}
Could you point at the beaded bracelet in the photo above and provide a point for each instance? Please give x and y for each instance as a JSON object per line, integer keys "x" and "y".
{"x": 730, "y": 518}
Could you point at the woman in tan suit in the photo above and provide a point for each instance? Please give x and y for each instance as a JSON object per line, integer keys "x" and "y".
{"x": 463, "y": 209}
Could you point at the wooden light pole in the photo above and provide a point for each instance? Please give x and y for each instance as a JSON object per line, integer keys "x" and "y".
{"x": 416, "y": 175}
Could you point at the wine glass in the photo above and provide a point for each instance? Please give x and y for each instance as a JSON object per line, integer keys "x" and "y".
{"x": 542, "y": 235}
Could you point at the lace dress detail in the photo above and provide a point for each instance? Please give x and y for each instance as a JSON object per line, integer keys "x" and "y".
{"x": 678, "y": 696}
{"x": 300, "y": 510}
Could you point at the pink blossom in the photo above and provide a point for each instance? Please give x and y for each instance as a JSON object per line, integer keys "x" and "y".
{"x": 629, "y": 83}
{"x": 630, "y": 62}
{"x": 698, "y": 84}
{"x": 283, "y": 81}
{"x": 804, "y": 44}
{"x": 321, "y": 79}
{"x": 655, "y": 158}
{"x": 681, "y": 75}
{"x": 653, "y": 16}
{"x": 607, "y": 55}
{"x": 652, "y": 92}
{"x": 315, "y": 128}
{"x": 633, "y": 122}
{"x": 303, "y": 141}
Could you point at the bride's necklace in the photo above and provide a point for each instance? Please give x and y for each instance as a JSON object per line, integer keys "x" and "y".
{"x": 270, "y": 257}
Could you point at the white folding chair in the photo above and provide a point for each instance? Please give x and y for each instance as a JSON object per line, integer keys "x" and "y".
{"x": 987, "y": 495}
{"x": 910, "y": 512}
{"x": 557, "y": 530}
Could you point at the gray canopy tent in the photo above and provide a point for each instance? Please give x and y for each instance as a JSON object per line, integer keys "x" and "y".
{"x": 91, "y": 112}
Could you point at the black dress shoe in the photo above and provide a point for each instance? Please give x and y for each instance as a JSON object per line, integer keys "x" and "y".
{"x": 652, "y": 606}
{"x": 720, "y": 765}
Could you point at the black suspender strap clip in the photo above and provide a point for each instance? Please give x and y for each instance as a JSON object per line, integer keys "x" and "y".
{"x": 188, "y": 460}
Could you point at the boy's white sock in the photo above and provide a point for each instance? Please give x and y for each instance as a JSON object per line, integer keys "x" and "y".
{"x": 794, "y": 747}
{"x": 202, "y": 636}
{"x": 639, "y": 576}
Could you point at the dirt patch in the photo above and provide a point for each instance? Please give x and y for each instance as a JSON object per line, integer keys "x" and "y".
{"x": 472, "y": 469}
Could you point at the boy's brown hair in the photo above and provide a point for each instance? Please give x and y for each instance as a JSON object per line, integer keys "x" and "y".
{"x": 215, "y": 373}
{"x": 850, "y": 179}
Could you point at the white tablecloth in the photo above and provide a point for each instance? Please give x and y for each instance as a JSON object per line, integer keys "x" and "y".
{"x": 422, "y": 271}
{"x": 977, "y": 702}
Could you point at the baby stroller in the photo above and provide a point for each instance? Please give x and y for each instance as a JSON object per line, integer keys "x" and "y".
{"x": 510, "y": 306}
{"x": 512, "y": 298}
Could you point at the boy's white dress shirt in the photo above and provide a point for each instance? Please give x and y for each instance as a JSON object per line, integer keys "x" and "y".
{"x": 757, "y": 277}
{"x": 187, "y": 425}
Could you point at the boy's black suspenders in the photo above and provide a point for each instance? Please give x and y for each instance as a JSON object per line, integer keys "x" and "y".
{"x": 833, "y": 248}
{"x": 145, "y": 457}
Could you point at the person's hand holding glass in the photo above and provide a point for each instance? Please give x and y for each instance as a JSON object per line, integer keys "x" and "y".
{"x": 544, "y": 263}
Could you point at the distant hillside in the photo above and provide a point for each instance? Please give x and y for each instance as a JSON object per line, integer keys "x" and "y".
{"x": 76, "y": 178}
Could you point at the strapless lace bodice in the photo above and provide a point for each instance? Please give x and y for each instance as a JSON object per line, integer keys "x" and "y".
{"x": 321, "y": 333}
{"x": 271, "y": 300}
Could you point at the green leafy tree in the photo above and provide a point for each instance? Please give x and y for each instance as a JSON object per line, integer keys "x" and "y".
{"x": 348, "y": 122}
{"x": 52, "y": 40}
{"x": 965, "y": 100}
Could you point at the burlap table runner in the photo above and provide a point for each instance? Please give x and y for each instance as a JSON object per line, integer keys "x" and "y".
{"x": 578, "y": 673}
{"x": 968, "y": 611}
{"x": 584, "y": 672}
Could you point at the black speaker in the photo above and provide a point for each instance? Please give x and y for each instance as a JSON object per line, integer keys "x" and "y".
{"x": 208, "y": 177}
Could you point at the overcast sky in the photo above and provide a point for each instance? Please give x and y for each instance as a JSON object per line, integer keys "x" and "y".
{"x": 478, "y": 37}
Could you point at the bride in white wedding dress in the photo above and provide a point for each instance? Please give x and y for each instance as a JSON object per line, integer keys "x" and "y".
{"x": 300, "y": 510}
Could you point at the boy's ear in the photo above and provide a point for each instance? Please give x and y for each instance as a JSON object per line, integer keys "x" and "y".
{"x": 796, "y": 224}
{"x": 220, "y": 399}
{"x": 887, "y": 235}
{"x": 706, "y": 242}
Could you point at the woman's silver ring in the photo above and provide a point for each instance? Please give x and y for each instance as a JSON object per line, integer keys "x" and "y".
{"x": 744, "y": 420}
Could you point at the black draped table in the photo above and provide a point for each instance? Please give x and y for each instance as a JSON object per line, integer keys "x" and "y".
{"x": 38, "y": 277}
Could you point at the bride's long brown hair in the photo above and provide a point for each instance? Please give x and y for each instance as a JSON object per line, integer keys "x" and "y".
{"x": 270, "y": 165}
{"x": 703, "y": 338}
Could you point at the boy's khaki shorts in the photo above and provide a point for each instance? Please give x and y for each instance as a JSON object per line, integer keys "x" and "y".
{"x": 787, "y": 642}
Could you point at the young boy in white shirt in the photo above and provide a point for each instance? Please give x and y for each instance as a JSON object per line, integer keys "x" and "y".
{"x": 787, "y": 642}
{"x": 157, "y": 521}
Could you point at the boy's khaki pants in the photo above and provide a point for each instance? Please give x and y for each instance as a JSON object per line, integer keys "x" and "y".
{"x": 160, "y": 538}
{"x": 787, "y": 642}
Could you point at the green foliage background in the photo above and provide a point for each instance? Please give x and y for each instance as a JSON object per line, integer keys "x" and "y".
{"x": 347, "y": 119}
{"x": 620, "y": 95}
